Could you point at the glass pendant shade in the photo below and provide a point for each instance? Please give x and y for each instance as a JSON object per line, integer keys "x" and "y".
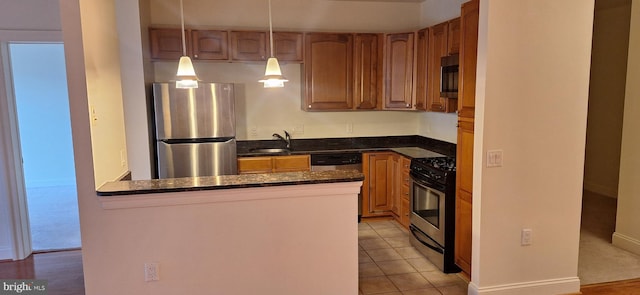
{"x": 273, "y": 76}
{"x": 186, "y": 74}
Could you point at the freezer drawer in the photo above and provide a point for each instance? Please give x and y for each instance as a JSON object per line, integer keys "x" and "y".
{"x": 197, "y": 159}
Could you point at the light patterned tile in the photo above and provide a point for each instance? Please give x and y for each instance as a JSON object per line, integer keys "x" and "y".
{"x": 363, "y": 257}
{"x": 376, "y": 285}
{"x": 410, "y": 281}
{"x": 440, "y": 279}
{"x": 399, "y": 241}
{"x": 409, "y": 252}
{"x": 391, "y": 232}
{"x": 393, "y": 267}
{"x": 371, "y": 244}
{"x": 422, "y": 264}
{"x": 363, "y": 226}
{"x": 383, "y": 254}
{"x": 369, "y": 270}
{"x": 454, "y": 290}
{"x": 382, "y": 224}
{"x": 427, "y": 291}
{"x": 367, "y": 234}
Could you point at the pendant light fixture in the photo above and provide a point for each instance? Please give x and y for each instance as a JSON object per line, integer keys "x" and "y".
{"x": 272, "y": 74}
{"x": 186, "y": 74}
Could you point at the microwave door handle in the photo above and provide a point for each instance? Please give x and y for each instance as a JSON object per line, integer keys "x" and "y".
{"x": 413, "y": 232}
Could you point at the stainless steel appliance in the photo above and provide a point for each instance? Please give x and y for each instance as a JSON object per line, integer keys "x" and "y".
{"x": 449, "y": 66}
{"x": 432, "y": 202}
{"x": 339, "y": 161}
{"x": 195, "y": 130}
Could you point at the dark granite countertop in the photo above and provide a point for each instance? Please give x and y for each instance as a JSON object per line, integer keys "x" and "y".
{"x": 226, "y": 182}
{"x": 412, "y": 146}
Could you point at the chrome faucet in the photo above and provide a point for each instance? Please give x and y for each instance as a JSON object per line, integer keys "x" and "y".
{"x": 286, "y": 138}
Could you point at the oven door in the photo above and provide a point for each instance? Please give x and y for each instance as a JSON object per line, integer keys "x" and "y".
{"x": 427, "y": 210}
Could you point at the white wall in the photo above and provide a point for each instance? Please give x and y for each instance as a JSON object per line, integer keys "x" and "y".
{"x": 606, "y": 96}
{"x": 261, "y": 112}
{"x": 537, "y": 117}
{"x": 102, "y": 61}
{"x": 627, "y": 234}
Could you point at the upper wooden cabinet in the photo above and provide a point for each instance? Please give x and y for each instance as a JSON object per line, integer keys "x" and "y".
{"x": 220, "y": 45}
{"x": 248, "y": 45}
{"x": 438, "y": 47}
{"x": 209, "y": 45}
{"x": 453, "y": 36}
{"x": 398, "y": 93}
{"x": 367, "y": 71}
{"x": 167, "y": 43}
{"x": 422, "y": 69}
{"x": 287, "y": 46}
{"x": 328, "y": 71}
{"x": 468, "y": 60}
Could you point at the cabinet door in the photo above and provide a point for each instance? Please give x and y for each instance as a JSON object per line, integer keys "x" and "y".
{"x": 453, "y": 37}
{"x": 398, "y": 85}
{"x": 367, "y": 58}
{"x": 464, "y": 195}
{"x": 328, "y": 71}
{"x": 287, "y": 46}
{"x": 248, "y": 46}
{"x": 422, "y": 48}
{"x": 209, "y": 45}
{"x": 376, "y": 188}
{"x": 166, "y": 43}
{"x": 468, "y": 57}
{"x": 396, "y": 183}
{"x": 437, "y": 49}
{"x": 251, "y": 165}
{"x": 291, "y": 163}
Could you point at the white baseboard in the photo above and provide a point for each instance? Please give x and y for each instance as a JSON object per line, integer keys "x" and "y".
{"x": 546, "y": 287}
{"x": 626, "y": 242}
{"x": 601, "y": 189}
{"x": 6, "y": 253}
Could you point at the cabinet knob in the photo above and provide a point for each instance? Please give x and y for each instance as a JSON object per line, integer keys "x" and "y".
{"x": 309, "y": 106}
{"x": 195, "y": 56}
{"x": 408, "y": 105}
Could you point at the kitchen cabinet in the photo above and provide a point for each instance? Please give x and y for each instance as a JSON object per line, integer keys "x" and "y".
{"x": 377, "y": 187}
{"x": 287, "y": 46}
{"x": 271, "y": 164}
{"x": 398, "y": 81}
{"x": 464, "y": 153}
{"x": 453, "y": 36}
{"x": 209, "y": 45}
{"x": 367, "y": 71}
{"x": 438, "y": 47}
{"x": 328, "y": 71}
{"x": 422, "y": 69}
{"x": 248, "y": 45}
{"x": 400, "y": 207}
{"x": 167, "y": 43}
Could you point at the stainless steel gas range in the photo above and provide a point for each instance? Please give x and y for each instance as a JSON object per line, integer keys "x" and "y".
{"x": 432, "y": 202}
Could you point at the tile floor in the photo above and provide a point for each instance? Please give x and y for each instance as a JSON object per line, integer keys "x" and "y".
{"x": 389, "y": 265}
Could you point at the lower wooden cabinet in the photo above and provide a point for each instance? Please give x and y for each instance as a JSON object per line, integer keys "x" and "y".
{"x": 253, "y": 165}
{"x": 377, "y": 187}
{"x": 402, "y": 197}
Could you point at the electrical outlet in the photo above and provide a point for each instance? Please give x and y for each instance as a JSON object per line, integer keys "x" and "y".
{"x": 123, "y": 159}
{"x": 253, "y": 131}
{"x": 525, "y": 237}
{"x": 151, "y": 272}
{"x": 298, "y": 129}
{"x": 350, "y": 127}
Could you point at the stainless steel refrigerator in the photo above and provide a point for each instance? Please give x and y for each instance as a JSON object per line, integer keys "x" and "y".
{"x": 195, "y": 130}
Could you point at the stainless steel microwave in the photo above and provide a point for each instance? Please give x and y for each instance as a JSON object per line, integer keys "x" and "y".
{"x": 449, "y": 76}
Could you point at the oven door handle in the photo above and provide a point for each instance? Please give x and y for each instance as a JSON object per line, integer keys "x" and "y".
{"x": 434, "y": 248}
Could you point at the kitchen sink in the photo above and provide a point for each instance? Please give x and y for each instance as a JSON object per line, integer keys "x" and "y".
{"x": 270, "y": 151}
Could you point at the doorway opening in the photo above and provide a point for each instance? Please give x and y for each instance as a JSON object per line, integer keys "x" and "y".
{"x": 39, "y": 80}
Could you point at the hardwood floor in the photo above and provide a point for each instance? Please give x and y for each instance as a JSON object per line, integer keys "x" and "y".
{"x": 628, "y": 287}
{"x": 62, "y": 270}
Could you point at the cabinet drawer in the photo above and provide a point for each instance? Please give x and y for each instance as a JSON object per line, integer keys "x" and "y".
{"x": 254, "y": 165}
{"x": 291, "y": 163}
{"x": 404, "y": 213}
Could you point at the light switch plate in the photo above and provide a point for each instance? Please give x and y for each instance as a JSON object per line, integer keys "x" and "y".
{"x": 494, "y": 158}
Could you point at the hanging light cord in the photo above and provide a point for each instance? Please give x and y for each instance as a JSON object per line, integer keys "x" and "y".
{"x": 270, "y": 29}
{"x": 184, "y": 45}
